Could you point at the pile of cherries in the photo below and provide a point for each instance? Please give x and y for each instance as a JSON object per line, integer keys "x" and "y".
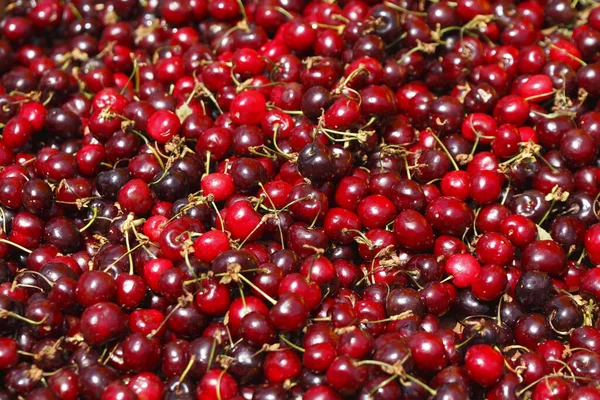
{"x": 293, "y": 199}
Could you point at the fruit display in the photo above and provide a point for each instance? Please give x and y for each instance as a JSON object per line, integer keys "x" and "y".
{"x": 300, "y": 199}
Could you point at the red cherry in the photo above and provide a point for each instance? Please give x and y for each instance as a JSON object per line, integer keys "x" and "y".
{"x": 536, "y": 89}
{"x": 248, "y": 108}
{"x": 464, "y": 268}
{"x": 219, "y": 185}
{"x": 153, "y": 269}
{"x": 135, "y": 197}
{"x": 163, "y": 125}
{"x": 592, "y": 243}
{"x": 376, "y": 211}
{"x": 490, "y": 283}
{"x": 413, "y": 231}
{"x": 243, "y": 222}
{"x": 484, "y": 364}
{"x": 493, "y": 248}
{"x": 212, "y": 243}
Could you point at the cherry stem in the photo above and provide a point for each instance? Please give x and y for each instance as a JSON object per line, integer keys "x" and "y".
{"x": 267, "y": 196}
{"x": 558, "y": 331}
{"x": 209, "y": 94}
{"x": 361, "y": 69}
{"x": 369, "y": 123}
{"x": 313, "y": 223}
{"x": 262, "y": 221}
{"x": 555, "y": 47}
{"x": 219, "y": 382}
{"x": 134, "y": 74}
{"x": 162, "y": 324}
{"x": 281, "y": 152}
{"x": 516, "y": 347}
{"x": 498, "y": 316}
{"x": 581, "y": 257}
{"x": 151, "y": 148}
{"x": 218, "y": 216}
{"x": 307, "y": 197}
{"x": 27, "y": 286}
{"x": 547, "y": 213}
{"x": 550, "y": 166}
{"x": 18, "y": 246}
{"x": 28, "y": 271}
{"x": 423, "y": 385}
{"x": 445, "y": 149}
{"x": 91, "y": 221}
{"x": 5, "y": 313}
{"x": 360, "y": 235}
{"x": 588, "y": 314}
{"x": 292, "y": 345}
{"x": 375, "y": 362}
{"x": 186, "y": 370}
{"x": 467, "y": 340}
{"x": 541, "y": 95}
{"x": 259, "y": 290}
{"x": 134, "y": 248}
{"x": 284, "y": 12}
{"x": 404, "y": 10}
{"x": 3, "y": 215}
{"x": 338, "y": 28}
{"x": 110, "y": 353}
{"x": 242, "y": 10}
{"x": 207, "y": 164}
{"x": 188, "y": 282}
{"x": 594, "y": 206}
{"x": 565, "y": 365}
{"x": 532, "y": 384}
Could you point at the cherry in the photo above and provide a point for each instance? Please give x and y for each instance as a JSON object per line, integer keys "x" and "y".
{"x": 102, "y": 322}
{"x": 449, "y": 216}
{"x": 546, "y": 256}
{"x": 248, "y": 107}
{"x": 8, "y": 353}
{"x": 344, "y": 374}
{"x": 531, "y": 330}
{"x": 490, "y": 283}
{"x": 533, "y": 289}
{"x": 131, "y": 290}
{"x": 281, "y": 365}
{"x": 163, "y": 125}
{"x": 464, "y": 268}
{"x": 427, "y": 351}
{"x": 413, "y": 231}
{"x": 64, "y": 384}
{"x": 590, "y": 243}
{"x": 321, "y": 392}
{"x": 165, "y": 183}
{"x": 135, "y": 196}
{"x": 315, "y": 162}
{"x": 555, "y": 387}
{"x": 94, "y": 379}
{"x": 520, "y": 230}
{"x": 484, "y": 364}
{"x": 147, "y": 385}
{"x": 95, "y": 287}
{"x": 243, "y": 221}
{"x": 493, "y": 248}
{"x": 118, "y": 390}
{"x": 342, "y": 114}
{"x": 456, "y": 184}
{"x": 140, "y": 353}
